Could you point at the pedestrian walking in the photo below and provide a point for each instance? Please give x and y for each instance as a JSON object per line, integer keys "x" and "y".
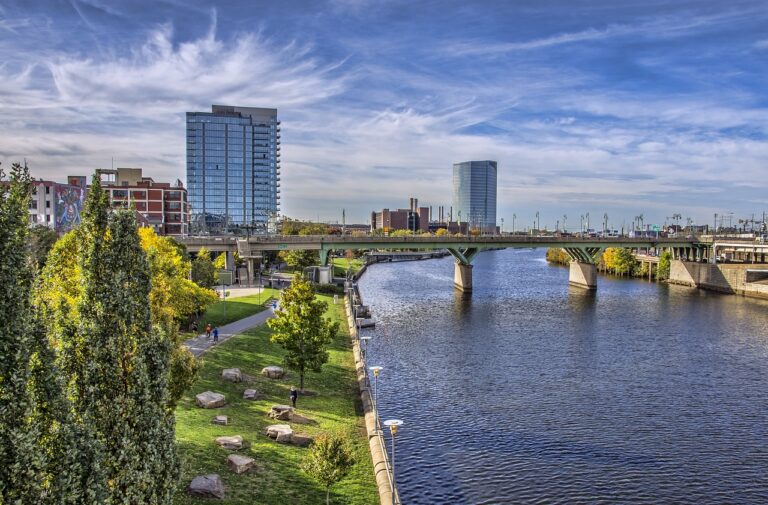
{"x": 208, "y": 329}
{"x": 294, "y": 395}
{"x": 194, "y": 327}
{"x": 216, "y": 335}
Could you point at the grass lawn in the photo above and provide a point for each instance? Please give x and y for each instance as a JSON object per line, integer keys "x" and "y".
{"x": 236, "y": 308}
{"x": 276, "y": 477}
{"x": 340, "y": 266}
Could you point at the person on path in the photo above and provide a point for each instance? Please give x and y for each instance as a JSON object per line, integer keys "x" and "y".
{"x": 216, "y": 335}
{"x": 294, "y": 396}
{"x": 208, "y": 329}
{"x": 194, "y": 327}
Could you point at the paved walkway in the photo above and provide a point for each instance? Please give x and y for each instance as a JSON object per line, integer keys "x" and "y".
{"x": 200, "y": 344}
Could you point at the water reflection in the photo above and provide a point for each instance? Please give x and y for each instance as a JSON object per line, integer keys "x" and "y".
{"x": 530, "y": 391}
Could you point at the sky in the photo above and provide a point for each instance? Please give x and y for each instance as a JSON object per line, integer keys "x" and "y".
{"x": 617, "y": 107}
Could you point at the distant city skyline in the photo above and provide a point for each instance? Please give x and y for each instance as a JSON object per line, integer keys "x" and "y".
{"x": 595, "y": 107}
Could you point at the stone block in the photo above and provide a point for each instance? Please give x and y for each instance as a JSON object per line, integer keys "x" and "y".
{"x": 239, "y": 464}
{"x": 207, "y": 486}
{"x": 222, "y": 420}
{"x": 301, "y": 440}
{"x": 250, "y": 394}
{"x": 232, "y": 374}
{"x": 273, "y": 372}
{"x": 211, "y": 400}
{"x": 280, "y": 412}
{"x": 230, "y": 442}
{"x": 280, "y": 432}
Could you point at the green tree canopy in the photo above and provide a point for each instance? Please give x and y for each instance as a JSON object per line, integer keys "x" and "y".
{"x": 299, "y": 259}
{"x": 299, "y": 327}
{"x": 328, "y": 460}
{"x": 203, "y": 270}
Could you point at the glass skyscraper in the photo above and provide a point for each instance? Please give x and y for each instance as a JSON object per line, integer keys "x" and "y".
{"x": 474, "y": 194}
{"x": 233, "y": 169}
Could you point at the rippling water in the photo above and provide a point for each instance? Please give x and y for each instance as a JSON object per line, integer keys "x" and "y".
{"x": 533, "y": 392}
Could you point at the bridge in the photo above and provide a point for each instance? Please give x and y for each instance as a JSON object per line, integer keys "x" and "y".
{"x": 584, "y": 252}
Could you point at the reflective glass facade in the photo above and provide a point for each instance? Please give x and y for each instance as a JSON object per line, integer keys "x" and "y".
{"x": 233, "y": 169}
{"x": 474, "y": 193}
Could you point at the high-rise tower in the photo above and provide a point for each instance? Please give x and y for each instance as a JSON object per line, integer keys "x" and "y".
{"x": 474, "y": 194}
{"x": 233, "y": 169}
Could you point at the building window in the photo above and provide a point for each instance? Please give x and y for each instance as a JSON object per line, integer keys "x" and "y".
{"x": 33, "y": 205}
{"x": 119, "y": 193}
{"x": 47, "y": 204}
{"x": 47, "y": 190}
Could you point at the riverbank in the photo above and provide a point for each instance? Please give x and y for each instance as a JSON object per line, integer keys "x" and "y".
{"x": 276, "y": 476}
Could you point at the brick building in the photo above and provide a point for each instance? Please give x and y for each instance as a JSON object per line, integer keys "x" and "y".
{"x": 415, "y": 218}
{"x": 163, "y": 205}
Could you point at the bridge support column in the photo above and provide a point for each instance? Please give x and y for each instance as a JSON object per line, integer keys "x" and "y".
{"x": 583, "y": 275}
{"x": 462, "y": 277}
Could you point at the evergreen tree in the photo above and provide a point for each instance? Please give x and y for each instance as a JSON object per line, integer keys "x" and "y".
{"x": 300, "y": 329}
{"x": 122, "y": 391}
{"x": 20, "y": 461}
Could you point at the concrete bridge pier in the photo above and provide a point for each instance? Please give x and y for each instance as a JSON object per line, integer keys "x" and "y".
{"x": 583, "y": 275}
{"x": 462, "y": 277}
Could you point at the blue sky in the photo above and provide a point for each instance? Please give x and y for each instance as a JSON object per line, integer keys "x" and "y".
{"x": 618, "y": 107}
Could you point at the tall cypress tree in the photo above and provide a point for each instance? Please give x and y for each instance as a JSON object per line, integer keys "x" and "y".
{"x": 124, "y": 379}
{"x": 20, "y": 461}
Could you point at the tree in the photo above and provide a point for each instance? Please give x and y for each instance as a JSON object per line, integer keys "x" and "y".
{"x": 40, "y": 241}
{"x": 20, "y": 461}
{"x": 299, "y": 327}
{"x": 220, "y": 263}
{"x": 121, "y": 392}
{"x": 203, "y": 271}
{"x": 557, "y": 255}
{"x": 299, "y": 259}
{"x": 328, "y": 460}
{"x": 665, "y": 262}
{"x": 441, "y": 232}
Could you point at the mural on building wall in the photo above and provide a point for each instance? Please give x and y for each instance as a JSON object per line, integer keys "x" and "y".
{"x": 69, "y": 205}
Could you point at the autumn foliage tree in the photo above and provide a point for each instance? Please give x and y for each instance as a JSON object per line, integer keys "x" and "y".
{"x": 299, "y": 327}
{"x": 328, "y": 460}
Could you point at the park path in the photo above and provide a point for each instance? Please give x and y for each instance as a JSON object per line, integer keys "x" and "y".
{"x": 200, "y": 344}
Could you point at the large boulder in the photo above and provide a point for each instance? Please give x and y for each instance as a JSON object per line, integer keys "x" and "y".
{"x": 211, "y": 400}
{"x": 232, "y": 374}
{"x": 280, "y": 412}
{"x": 273, "y": 372}
{"x": 207, "y": 486}
{"x": 223, "y": 420}
{"x": 301, "y": 440}
{"x": 280, "y": 432}
{"x": 239, "y": 464}
{"x": 250, "y": 394}
{"x": 232, "y": 443}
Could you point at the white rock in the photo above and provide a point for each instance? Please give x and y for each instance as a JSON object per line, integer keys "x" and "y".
{"x": 211, "y": 400}
{"x": 273, "y": 372}
{"x": 233, "y": 442}
{"x": 280, "y": 432}
{"x": 207, "y": 486}
{"x": 239, "y": 464}
{"x": 232, "y": 374}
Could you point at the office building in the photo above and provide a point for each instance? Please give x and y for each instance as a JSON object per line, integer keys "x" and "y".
{"x": 474, "y": 194}
{"x": 233, "y": 169}
{"x": 162, "y": 205}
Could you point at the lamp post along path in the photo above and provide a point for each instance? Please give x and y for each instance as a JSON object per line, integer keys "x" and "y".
{"x": 393, "y": 424}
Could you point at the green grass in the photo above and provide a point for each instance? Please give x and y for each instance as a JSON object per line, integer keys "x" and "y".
{"x": 340, "y": 266}
{"x": 276, "y": 478}
{"x": 236, "y": 308}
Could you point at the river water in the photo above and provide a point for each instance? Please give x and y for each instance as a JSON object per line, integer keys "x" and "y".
{"x": 530, "y": 391}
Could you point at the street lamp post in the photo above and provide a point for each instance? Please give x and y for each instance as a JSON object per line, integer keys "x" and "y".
{"x": 393, "y": 424}
{"x": 514, "y": 216}
{"x": 376, "y": 371}
{"x": 365, "y": 350}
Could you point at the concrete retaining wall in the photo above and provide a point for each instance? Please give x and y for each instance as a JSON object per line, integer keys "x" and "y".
{"x": 379, "y": 456}
{"x": 725, "y": 278}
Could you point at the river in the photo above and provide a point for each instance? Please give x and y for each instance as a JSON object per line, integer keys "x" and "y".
{"x": 530, "y": 391}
